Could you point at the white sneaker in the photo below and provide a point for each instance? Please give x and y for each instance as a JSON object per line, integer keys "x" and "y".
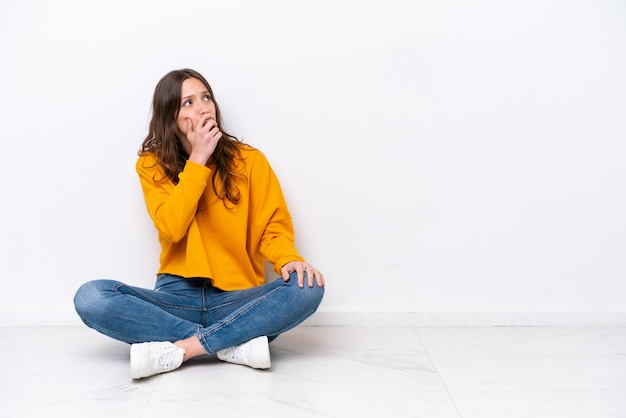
{"x": 147, "y": 359}
{"x": 254, "y": 353}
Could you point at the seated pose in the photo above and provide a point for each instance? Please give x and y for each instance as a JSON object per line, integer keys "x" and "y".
{"x": 220, "y": 212}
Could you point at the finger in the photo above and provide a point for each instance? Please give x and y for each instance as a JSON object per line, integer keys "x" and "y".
{"x": 189, "y": 126}
{"x": 320, "y": 280}
{"x": 311, "y": 273}
{"x": 215, "y": 133}
{"x": 200, "y": 121}
{"x": 209, "y": 121}
{"x": 300, "y": 272}
{"x": 285, "y": 274}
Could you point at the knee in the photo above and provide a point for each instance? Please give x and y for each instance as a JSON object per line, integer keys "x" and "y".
{"x": 89, "y": 297}
{"x": 308, "y": 298}
{"x": 316, "y": 294}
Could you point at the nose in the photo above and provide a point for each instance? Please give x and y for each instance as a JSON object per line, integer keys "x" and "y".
{"x": 205, "y": 108}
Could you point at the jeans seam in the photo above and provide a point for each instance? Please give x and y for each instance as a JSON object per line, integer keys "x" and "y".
{"x": 157, "y": 302}
{"x": 202, "y": 335}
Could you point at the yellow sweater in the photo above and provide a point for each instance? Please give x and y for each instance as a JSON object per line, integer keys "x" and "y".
{"x": 202, "y": 237}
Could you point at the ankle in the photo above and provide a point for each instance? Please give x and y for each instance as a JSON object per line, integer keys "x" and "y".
{"x": 192, "y": 347}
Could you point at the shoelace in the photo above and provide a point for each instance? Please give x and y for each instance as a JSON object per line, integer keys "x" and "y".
{"x": 235, "y": 353}
{"x": 165, "y": 359}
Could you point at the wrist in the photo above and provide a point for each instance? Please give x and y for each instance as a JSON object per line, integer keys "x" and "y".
{"x": 199, "y": 158}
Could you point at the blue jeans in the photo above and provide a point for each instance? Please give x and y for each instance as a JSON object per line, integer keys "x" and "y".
{"x": 180, "y": 308}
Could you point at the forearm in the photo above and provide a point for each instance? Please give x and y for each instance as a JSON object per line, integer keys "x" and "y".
{"x": 277, "y": 244}
{"x": 173, "y": 207}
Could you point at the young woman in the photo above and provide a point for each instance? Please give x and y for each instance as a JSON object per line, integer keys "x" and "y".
{"x": 219, "y": 211}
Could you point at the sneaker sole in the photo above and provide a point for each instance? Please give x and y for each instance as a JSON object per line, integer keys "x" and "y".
{"x": 136, "y": 354}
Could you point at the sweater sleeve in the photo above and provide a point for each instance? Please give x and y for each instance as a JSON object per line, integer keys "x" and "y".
{"x": 277, "y": 239}
{"x": 171, "y": 207}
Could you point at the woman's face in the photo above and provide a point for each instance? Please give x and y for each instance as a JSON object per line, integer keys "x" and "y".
{"x": 195, "y": 101}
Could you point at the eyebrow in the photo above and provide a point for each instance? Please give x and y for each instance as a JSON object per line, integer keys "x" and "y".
{"x": 191, "y": 95}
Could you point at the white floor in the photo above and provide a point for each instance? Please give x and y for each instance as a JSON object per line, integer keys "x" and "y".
{"x": 328, "y": 372}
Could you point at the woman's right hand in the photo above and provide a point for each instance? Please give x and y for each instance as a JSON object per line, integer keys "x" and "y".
{"x": 203, "y": 135}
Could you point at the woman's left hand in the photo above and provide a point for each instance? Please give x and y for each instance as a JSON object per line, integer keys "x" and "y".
{"x": 301, "y": 267}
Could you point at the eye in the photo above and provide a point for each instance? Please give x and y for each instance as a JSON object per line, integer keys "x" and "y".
{"x": 186, "y": 103}
{"x": 207, "y": 98}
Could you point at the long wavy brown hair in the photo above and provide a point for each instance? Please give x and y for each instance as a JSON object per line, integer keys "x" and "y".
{"x": 164, "y": 137}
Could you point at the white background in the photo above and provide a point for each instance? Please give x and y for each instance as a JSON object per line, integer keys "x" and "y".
{"x": 437, "y": 156}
